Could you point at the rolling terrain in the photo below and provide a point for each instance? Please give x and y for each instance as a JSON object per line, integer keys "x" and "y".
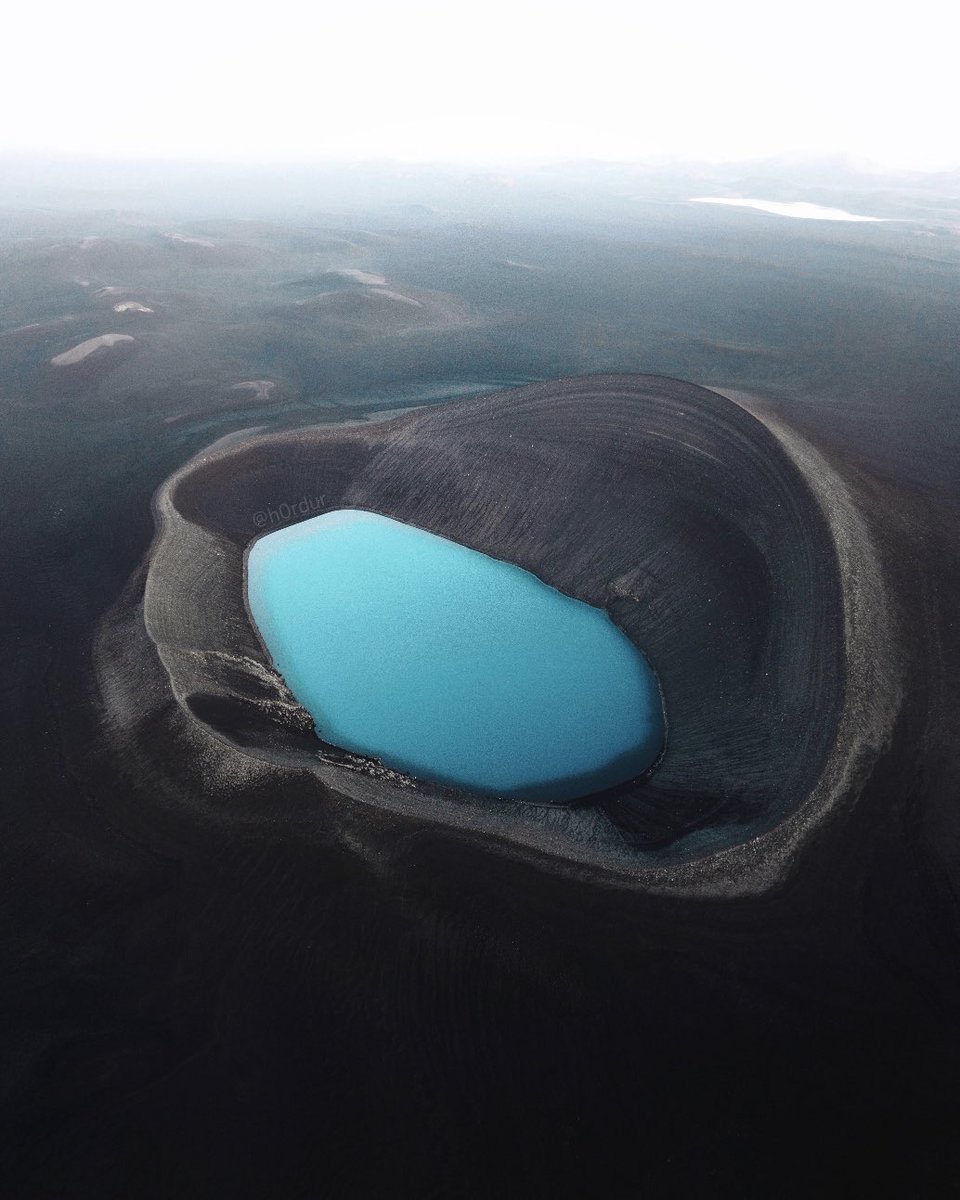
{"x": 222, "y": 990}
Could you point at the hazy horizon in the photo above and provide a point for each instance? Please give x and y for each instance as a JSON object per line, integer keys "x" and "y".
{"x": 521, "y": 83}
{"x": 783, "y": 160}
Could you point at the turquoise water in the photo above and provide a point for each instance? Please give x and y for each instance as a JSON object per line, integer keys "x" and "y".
{"x": 450, "y": 665}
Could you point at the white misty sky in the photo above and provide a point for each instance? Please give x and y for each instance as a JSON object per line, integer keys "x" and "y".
{"x": 502, "y": 81}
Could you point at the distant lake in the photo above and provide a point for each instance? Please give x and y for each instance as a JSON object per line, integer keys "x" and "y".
{"x": 796, "y": 208}
{"x": 448, "y": 664}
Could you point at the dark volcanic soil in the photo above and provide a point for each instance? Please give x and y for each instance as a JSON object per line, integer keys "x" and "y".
{"x": 231, "y": 969}
{"x": 265, "y": 973}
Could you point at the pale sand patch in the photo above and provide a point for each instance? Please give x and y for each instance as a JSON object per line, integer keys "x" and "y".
{"x": 313, "y": 299}
{"x": 78, "y": 353}
{"x": 807, "y": 212}
{"x": 38, "y": 325}
{"x": 261, "y": 387}
{"x": 396, "y": 296}
{"x": 358, "y": 276}
{"x": 185, "y": 239}
{"x": 132, "y": 306}
{"x": 520, "y": 266}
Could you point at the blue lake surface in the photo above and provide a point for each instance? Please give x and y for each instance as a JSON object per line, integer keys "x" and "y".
{"x": 450, "y": 665}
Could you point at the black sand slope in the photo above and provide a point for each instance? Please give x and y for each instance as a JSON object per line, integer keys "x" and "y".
{"x": 251, "y": 967}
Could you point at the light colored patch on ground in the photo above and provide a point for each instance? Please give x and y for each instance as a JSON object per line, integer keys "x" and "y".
{"x": 38, "y": 326}
{"x": 401, "y": 299}
{"x": 78, "y": 353}
{"x": 185, "y": 239}
{"x": 359, "y": 276}
{"x": 261, "y": 387}
{"x": 131, "y": 306}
